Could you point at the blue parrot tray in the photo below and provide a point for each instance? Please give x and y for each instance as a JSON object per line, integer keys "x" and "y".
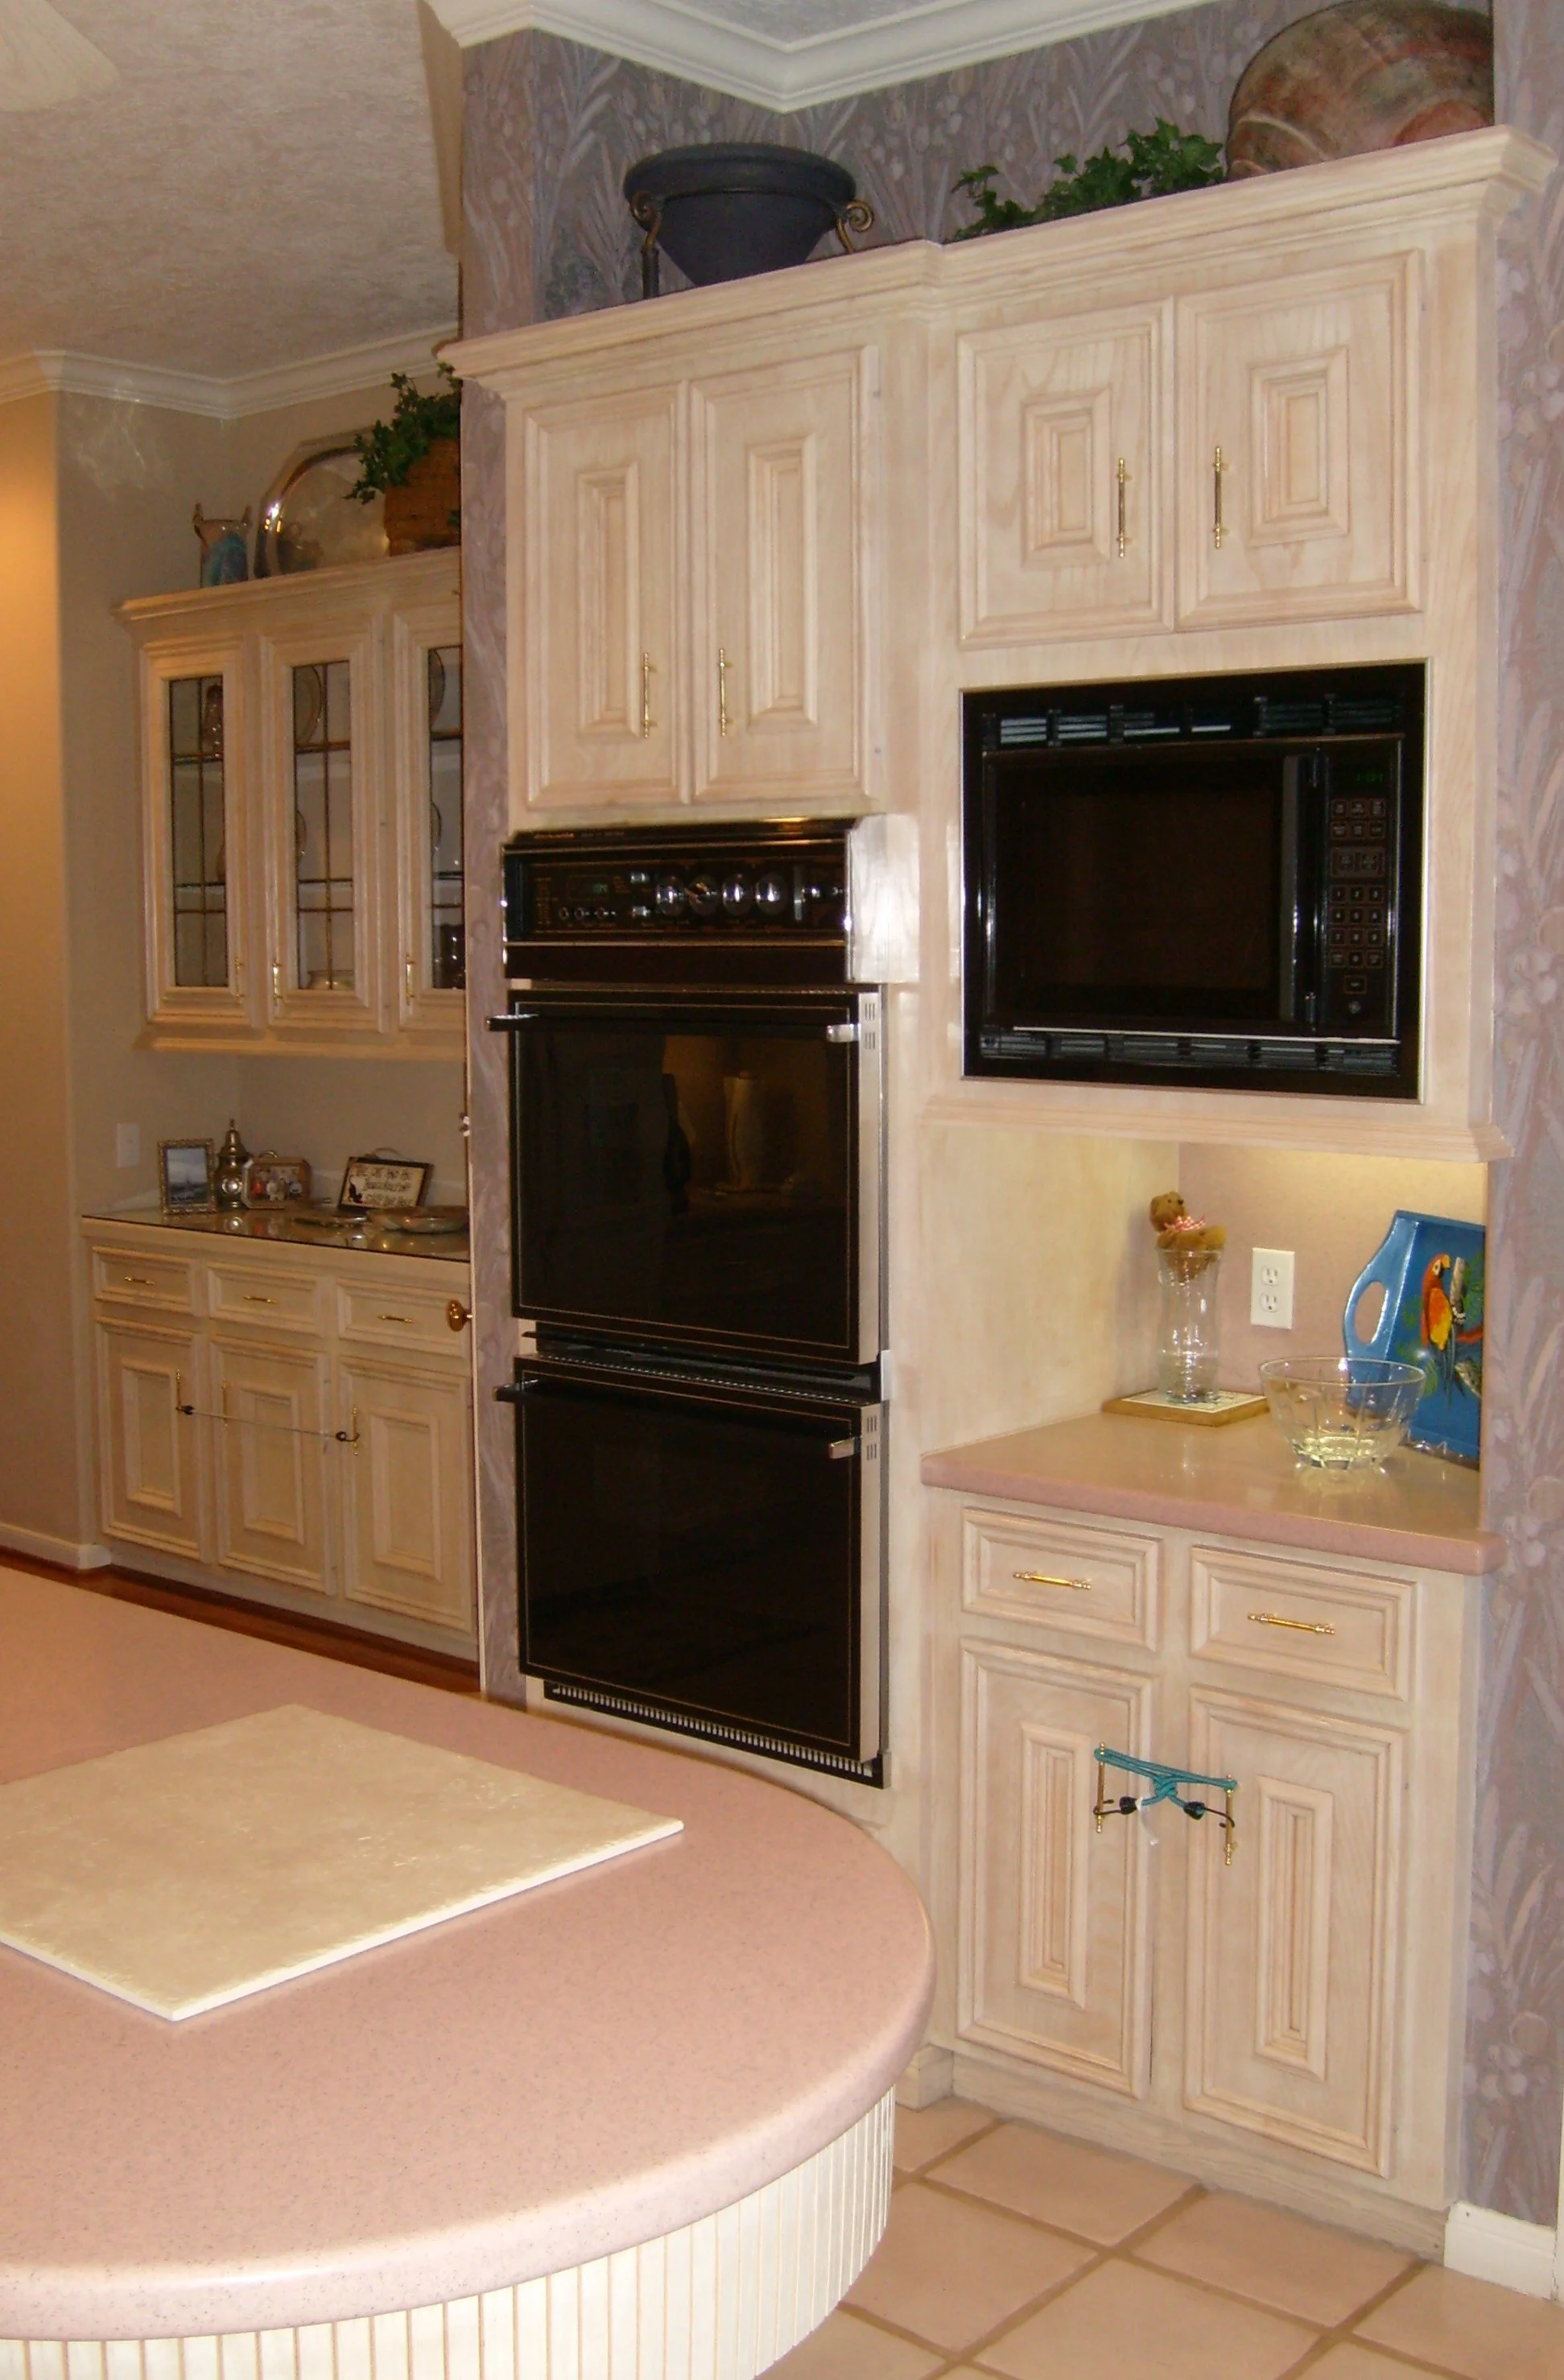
{"x": 1431, "y": 1267}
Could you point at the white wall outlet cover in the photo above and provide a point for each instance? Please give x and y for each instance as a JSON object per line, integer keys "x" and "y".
{"x": 1270, "y": 1289}
{"x": 128, "y": 1144}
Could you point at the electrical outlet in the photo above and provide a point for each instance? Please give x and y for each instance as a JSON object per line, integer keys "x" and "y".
{"x": 128, "y": 1144}
{"x": 1270, "y": 1288}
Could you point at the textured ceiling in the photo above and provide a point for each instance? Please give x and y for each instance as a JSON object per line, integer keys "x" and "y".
{"x": 258, "y": 187}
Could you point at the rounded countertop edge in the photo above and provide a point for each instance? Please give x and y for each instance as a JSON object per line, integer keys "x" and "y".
{"x": 397, "y": 2275}
{"x": 1477, "y": 1556}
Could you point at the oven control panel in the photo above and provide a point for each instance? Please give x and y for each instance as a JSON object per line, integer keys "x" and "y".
{"x": 604, "y": 902}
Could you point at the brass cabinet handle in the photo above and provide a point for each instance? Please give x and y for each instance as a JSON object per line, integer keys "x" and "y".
{"x": 277, "y": 978}
{"x": 722, "y": 720}
{"x": 1124, "y": 475}
{"x": 1304, "y": 1627}
{"x": 1046, "y": 1578}
{"x": 349, "y": 1437}
{"x": 254, "y": 1298}
{"x": 138, "y": 1280}
{"x": 648, "y": 665}
{"x": 409, "y": 972}
{"x": 1219, "y": 527}
{"x": 457, "y": 1315}
{"x": 393, "y": 1318}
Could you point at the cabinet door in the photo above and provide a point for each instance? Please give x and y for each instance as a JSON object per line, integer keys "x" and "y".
{"x": 1297, "y": 463}
{"x": 1060, "y": 489}
{"x": 196, "y": 888}
{"x": 782, "y": 503}
{"x": 428, "y": 963}
{"x": 270, "y": 1444}
{"x": 596, "y": 641}
{"x": 324, "y": 762}
{"x": 1292, "y": 1997}
{"x": 406, "y": 1489}
{"x": 1054, "y": 1965}
{"x": 150, "y": 1453}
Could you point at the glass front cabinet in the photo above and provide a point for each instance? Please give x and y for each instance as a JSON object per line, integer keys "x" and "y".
{"x": 301, "y": 764}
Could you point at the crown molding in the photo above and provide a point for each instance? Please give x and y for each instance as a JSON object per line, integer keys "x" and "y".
{"x": 337, "y": 374}
{"x": 932, "y": 38}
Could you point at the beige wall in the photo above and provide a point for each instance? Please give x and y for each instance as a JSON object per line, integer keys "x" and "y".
{"x": 41, "y": 1485}
{"x": 1331, "y": 1211}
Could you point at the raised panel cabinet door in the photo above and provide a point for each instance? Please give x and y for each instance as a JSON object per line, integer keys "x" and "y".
{"x": 1060, "y": 477}
{"x": 598, "y": 635}
{"x": 1298, "y": 446}
{"x": 406, "y": 1494}
{"x": 1054, "y": 1959}
{"x": 1292, "y": 1946}
{"x": 270, "y": 1440}
{"x": 782, "y": 509}
{"x": 150, "y": 1453}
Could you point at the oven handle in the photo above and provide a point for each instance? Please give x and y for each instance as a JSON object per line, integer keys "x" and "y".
{"x": 511, "y": 1392}
{"x": 512, "y": 1018}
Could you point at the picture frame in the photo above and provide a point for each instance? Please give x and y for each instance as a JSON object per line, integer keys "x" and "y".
{"x": 369, "y": 1184}
{"x": 272, "y": 1181}
{"x": 187, "y": 1173}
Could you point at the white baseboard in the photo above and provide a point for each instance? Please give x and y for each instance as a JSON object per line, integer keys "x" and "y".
{"x": 64, "y": 1550}
{"x": 1500, "y": 2248}
{"x": 927, "y": 2079}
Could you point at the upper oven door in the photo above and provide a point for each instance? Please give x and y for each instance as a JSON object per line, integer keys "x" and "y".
{"x": 701, "y": 1170}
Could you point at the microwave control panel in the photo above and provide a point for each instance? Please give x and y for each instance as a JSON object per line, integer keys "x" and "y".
{"x": 1358, "y": 917}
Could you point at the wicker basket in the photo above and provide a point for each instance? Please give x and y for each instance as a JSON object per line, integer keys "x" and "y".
{"x": 427, "y": 508}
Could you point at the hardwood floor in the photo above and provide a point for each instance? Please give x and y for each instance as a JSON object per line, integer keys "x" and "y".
{"x": 303, "y": 1635}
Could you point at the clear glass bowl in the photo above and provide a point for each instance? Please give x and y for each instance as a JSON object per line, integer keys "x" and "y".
{"x": 1342, "y": 1412}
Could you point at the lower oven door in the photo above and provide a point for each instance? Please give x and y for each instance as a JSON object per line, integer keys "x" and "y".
{"x": 699, "y": 1170}
{"x": 704, "y": 1554}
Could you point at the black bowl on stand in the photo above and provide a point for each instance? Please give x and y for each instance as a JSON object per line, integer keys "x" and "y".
{"x": 728, "y": 209}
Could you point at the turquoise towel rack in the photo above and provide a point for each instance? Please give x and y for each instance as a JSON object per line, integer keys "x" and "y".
{"x": 1165, "y": 1783}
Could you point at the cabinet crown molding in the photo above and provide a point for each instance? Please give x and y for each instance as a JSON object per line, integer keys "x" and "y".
{"x": 401, "y": 578}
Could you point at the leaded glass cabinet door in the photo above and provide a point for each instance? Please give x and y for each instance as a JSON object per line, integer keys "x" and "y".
{"x": 323, "y": 764}
{"x": 429, "y": 960}
{"x": 197, "y": 881}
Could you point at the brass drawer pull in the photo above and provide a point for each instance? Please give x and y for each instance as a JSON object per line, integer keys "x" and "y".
{"x": 457, "y": 1315}
{"x": 254, "y": 1298}
{"x": 1046, "y": 1578}
{"x": 138, "y": 1280}
{"x": 1304, "y": 1627}
{"x": 394, "y": 1318}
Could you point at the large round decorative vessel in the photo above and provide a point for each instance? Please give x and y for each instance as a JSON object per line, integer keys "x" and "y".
{"x": 726, "y": 209}
{"x": 1367, "y": 74}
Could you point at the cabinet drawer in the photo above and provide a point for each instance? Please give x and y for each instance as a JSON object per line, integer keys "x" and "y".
{"x": 1297, "y": 1620}
{"x": 262, "y": 1298}
{"x": 126, "y": 1278}
{"x": 1062, "y": 1573}
{"x": 385, "y": 1317}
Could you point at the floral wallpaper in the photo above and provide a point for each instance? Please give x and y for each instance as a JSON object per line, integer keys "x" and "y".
{"x": 551, "y": 128}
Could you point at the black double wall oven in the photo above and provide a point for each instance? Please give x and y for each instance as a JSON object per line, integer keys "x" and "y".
{"x": 697, "y": 1243}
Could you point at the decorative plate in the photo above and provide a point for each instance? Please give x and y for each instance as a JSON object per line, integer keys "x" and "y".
{"x": 308, "y": 519}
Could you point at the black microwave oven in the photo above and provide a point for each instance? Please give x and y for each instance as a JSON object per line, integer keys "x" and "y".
{"x": 1213, "y": 882}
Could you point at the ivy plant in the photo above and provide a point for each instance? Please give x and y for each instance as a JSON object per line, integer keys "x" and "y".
{"x": 1144, "y": 165}
{"x": 388, "y": 450}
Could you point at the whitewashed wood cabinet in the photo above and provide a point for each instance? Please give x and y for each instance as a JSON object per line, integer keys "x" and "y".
{"x": 690, "y": 561}
{"x": 300, "y": 757}
{"x": 1292, "y": 2016}
{"x": 290, "y": 1424}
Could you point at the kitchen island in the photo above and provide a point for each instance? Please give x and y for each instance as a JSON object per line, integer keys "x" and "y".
{"x": 633, "y": 2122}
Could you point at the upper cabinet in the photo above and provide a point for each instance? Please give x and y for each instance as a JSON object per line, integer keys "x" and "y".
{"x": 301, "y": 763}
{"x": 692, "y": 561}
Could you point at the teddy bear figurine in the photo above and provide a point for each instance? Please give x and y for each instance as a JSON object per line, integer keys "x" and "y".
{"x": 1183, "y": 1235}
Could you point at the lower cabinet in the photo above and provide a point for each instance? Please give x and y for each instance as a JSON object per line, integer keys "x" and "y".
{"x": 1291, "y": 2012}
{"x": 291, "y": 1425}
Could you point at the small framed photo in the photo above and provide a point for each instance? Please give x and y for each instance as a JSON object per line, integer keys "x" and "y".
{"x": 371, "y": 1182}
{"x": 273, "y": 1181}
{"x": 185, "y": 1173}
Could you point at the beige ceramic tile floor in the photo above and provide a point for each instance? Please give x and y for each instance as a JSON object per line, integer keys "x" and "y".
{"x": 1012, "y": 2255}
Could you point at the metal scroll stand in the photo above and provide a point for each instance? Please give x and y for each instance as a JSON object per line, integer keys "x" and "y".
{"x": 1168, "y": 1785}
{"x": 856, "y": 216}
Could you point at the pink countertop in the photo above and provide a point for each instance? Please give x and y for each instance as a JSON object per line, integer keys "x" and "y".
{"x": 523, "y": 2089}
{"x": 1239, "y": 1481}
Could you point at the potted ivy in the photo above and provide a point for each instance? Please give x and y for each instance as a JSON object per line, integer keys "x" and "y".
{"x": 415, "y": 461}
{"x": 1143, "y": 166}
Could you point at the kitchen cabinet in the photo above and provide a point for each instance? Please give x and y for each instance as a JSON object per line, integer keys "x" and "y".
{"x": 301, "y": 746}
{"x": 1292, "y": 2013}
{"x": 693, "y": 568}
{"x": 289, "y": 1423}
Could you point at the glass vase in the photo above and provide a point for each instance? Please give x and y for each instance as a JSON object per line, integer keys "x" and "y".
{"x": 1186, "y": 1345}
